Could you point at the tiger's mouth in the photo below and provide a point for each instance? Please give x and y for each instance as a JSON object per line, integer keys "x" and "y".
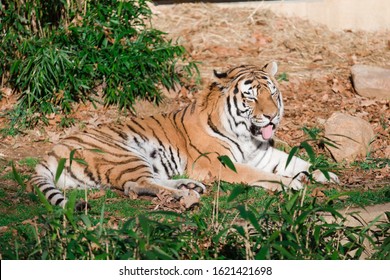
{"x": 265, "y": 131}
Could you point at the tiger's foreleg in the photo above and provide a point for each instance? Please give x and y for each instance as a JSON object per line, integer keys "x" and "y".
{"x": 296, "y": 168}
{"x": 245, "y": 174}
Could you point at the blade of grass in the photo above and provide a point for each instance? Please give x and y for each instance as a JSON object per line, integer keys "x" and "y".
{"x": 60, "y": 169}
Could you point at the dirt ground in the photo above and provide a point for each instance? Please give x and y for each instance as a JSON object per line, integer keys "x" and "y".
{"x": 316, "y": 61}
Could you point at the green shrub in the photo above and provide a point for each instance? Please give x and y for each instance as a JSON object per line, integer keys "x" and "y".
{"x": 55, "y": 55}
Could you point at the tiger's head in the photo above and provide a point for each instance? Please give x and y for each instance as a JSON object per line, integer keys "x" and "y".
{"x": 254, "y": 105}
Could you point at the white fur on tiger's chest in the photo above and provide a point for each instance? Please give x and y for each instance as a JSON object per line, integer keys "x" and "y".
{"x": 255, "y": 152}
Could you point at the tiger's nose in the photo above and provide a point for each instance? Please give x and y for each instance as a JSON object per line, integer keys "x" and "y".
{"x": 270, "y": 117}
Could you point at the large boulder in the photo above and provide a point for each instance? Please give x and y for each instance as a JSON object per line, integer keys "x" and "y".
{"x": 371, "y": 81}
{"x": 351, "y": 134}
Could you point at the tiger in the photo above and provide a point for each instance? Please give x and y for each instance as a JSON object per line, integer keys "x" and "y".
{"x": 236, "y": 116}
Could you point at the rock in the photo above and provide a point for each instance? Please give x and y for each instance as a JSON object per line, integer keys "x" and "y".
{"x": 371, "y": 81}
{"x": 351, "y": 134}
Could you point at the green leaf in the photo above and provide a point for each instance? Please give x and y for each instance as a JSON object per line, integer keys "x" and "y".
{"x": 96, "y": 151}
{"x": 158, "y": 253}
{"x": 309, "y": 150}
{"x": 240, "y": 230}
{"x": 326, "y": 173}
{"x": 337, "y": 195}
{"x": 71, "y": 156}
{"x": 311, "y": 132}
{"x": 330, "y": 142}
{"x": 199, "y": 157}
{"x": 216, "y": 238}
{"x": 292, "y": 202}
{"x": 284, "y": 252}
{"x": 43, "y": 199}
{"x": 283, "y": 77}
{"x": 263, "y": 253}
{"x": 86, "y": 220}
{"x": 303, "y": 217}
{"x": 236, "y": 192}
{"x": 60, "y": 169}
{"x": 292, "y": 153}
{"x": 17, "y": 177}
{"x": 227, "y": 162}
{"x": 70, "y": 207}
{"x": 249, "y": 216}
{"x": 80, "y": 161}
{"x": 101, "y": 221}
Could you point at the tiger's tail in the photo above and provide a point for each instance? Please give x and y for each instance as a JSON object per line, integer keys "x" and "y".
{"x": 44, "y": 180}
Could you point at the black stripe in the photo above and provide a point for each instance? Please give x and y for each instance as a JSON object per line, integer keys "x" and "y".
{"x": 88, "y": 173}
{"x": 120, "y": 133}
{"x": 139, "y": 125}
{"x": 142, "y": 177}
{"x": 81, "y": 181}
{"x": 58, "y": 201}
{"x": 54, "y": 194}
{"x": 168, "y": 168}
{"x": 108, "y": 173}
{"x": 173, "y": 160}
{"x": 164, "y": 130}
{"x": 215, "y": 130}
{"x": 186, "y": 132}
{"x": 205, "y": 102}
{"x": 39, "y": 181}
{"x": 236, "y": 124}
{"x": 73, "y": 175}
{"x": 137, "y": 133}
{"x": 193, "y": 107}
{"x": 44, "y": 164}
{"x": 99, "y": 147}
{"x": 97, "y": 166}
{"x": 238, "y": 112}
{"x": 131, "y": 170}
{"x": 130, "y": 159}
{"x": 178, "y": 155}
{"x": 108, "y": 140}
{"x": 46, "y": 190}
{"x": 174, "y": 124}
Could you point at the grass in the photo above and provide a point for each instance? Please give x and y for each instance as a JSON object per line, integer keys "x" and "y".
{"x": 251, "y": 225}
{"x": 372, "y": 163}
{"x": 233, "y": 221}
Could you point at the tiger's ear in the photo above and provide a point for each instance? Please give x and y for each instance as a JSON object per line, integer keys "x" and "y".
{"x": 271, "y": 68}
{"x": 220, "y": 75}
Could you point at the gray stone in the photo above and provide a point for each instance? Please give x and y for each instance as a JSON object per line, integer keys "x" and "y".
{"x": 351, "y": 134}
{"x": 371, "y": 81}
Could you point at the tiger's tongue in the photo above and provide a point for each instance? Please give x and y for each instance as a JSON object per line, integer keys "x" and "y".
{"x": 266, "y": 132}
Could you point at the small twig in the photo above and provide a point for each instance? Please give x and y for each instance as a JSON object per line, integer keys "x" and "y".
{"x": 250, "y": 17}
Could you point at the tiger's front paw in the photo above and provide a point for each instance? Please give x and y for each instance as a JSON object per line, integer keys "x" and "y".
{"x": 295, "y": 184}
{"x": 320, "y": 177}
